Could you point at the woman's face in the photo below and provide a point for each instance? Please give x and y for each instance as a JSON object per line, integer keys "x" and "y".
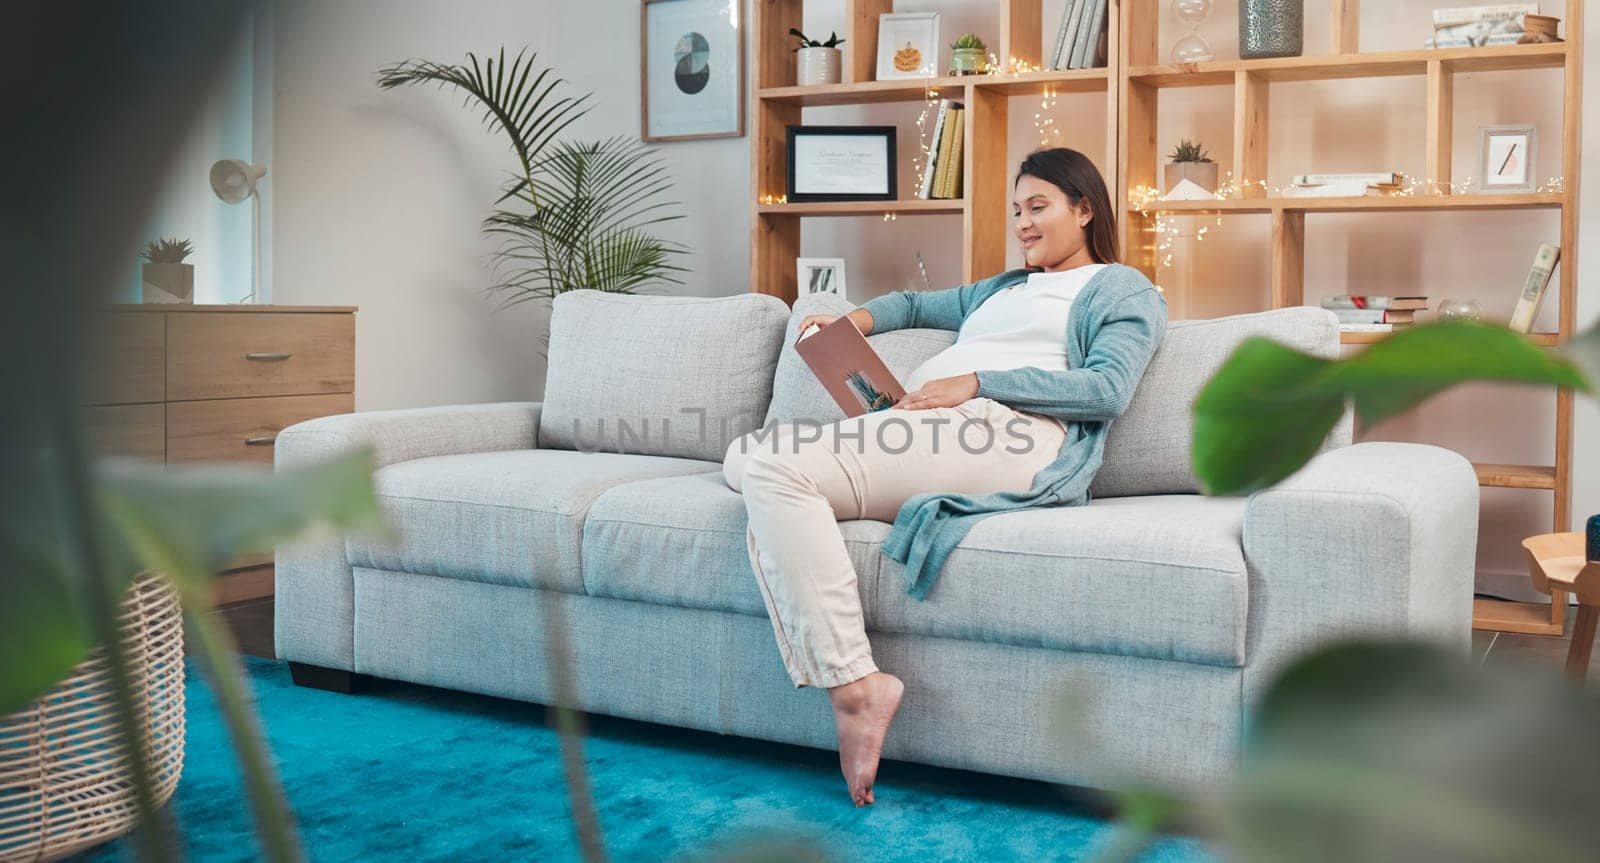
{"x": 1048, "y": 227}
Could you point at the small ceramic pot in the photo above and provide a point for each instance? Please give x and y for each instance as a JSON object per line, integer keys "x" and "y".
{"x": 1271, "y": 28}
{"x": 968, "y": 61}
{"x": 818, "y": 66}
{"x": 1202, "y": 174}
{"x": 167, "y": 283}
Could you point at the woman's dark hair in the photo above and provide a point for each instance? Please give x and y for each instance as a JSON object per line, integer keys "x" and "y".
{"x": 1073, "y": 173}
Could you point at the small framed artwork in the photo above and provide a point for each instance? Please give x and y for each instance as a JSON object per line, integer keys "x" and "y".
{"x": 841, "y": 163}
{"x": 908, "y": 45}
{"x": 691, "y": 70}
{"x": 821, "y": 275}
{"x": 1507, "y": 161}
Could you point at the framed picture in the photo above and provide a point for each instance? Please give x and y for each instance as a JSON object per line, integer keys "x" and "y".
{"x": 841, "y": 163}
{"x": 908, "y": 45}
{"x": 821, "y": 275}
{"x": 1507, "y": 160}
{"x": 691, "y": 70}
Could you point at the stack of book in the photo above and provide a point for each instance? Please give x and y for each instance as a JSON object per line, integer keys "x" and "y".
{"x": 1345, "y": 185}
{"x": 1081, "y": 38}
{"x": 942, "y": 177}
{"x": 1373, "y": 314}
{"x": 1540, "y": 28}
{"x": 1477, "y": 26}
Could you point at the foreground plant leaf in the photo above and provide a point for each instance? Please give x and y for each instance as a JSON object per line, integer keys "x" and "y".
{"x": 45, "y": 633}
{"x": 1263, "y": 415}
{"x": 186, "y": 522}
{"x": 1398, "y": 751}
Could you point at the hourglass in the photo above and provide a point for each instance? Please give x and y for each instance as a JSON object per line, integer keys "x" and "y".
{"x": 1191, "y": 48}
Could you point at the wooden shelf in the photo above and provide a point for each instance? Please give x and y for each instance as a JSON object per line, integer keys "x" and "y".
{"x": 912, "y": 206}
{"x": 1516, "y": 476}
{"x": 1377, "y": 64}
{"x": 1535, "y": 201}
{"x": 1543, "y": 340}
{"x": 1528, "y": 618}
{"x": 919, "y": 89}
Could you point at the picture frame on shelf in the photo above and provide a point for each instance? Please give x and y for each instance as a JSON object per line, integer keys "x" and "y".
{"x": 1507, "y": 158}
{"x": 691, "y": 70}
{"x": 840, "y": 163}
{"x": 908, "y": 45}
{"x": 821, "y": 275}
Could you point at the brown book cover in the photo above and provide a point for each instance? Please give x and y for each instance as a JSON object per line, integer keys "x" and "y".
{"x": 851, "y": 371}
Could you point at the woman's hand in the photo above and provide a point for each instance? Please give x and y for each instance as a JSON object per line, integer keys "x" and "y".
{"x": 941, "y": 393}
{"x": 819, "y": 320}
{"x": 860, "y": 317}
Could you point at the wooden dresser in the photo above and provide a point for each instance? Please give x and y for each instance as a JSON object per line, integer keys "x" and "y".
{"x": 216, "y": 383}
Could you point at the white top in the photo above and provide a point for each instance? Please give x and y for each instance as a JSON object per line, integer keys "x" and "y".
{"x": 1023, "y": 325}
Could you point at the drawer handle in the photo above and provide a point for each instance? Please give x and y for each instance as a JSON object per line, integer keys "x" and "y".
{"x": 261, "y": 440}
{"x": 267, "y": 357}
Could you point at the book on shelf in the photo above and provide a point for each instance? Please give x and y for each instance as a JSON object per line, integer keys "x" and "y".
{"x": 948, "y": 170}
{"x": 1380, "y": 177}
{"x": 1374, "y": 316}
{"x": 1072, "y": 21}
{"x": 1102, "y": 51}
{"x": 1089, "y": 34}
{"x": 926, "y": 189}
{"x": 953, "y": 179}
{"x": 1491, "y": 41}
{"x": 1343, "y": 190}
{"x": 1533, "y": 287}
{"x": 1366, "y": 328}
{"x": 1375, "y": 301}
{"x": 1054, "y": 60}
{"x": 1452, "y": 16}
{"x": 849, "y": 369}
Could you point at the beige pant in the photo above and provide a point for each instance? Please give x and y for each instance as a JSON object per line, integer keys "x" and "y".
{"x": 800, "y": 480}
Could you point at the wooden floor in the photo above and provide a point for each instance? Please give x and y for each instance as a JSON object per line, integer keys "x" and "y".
{"x": 251, "y": 623}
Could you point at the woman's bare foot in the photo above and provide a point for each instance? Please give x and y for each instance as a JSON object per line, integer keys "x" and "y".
{"x": 862, "y": 711}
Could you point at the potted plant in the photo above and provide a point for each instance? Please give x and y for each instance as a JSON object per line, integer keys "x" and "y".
{"x": 969, "y": 56}
{"x": 1190, "y": 162}
{"x": 817, "y": 62}
{"x": 167, "y": 279}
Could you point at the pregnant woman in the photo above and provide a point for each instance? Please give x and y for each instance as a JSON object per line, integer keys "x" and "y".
{"x": 1012, "y": 415}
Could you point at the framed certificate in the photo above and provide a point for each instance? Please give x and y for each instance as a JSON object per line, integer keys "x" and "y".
{"x": 841, "y": 163}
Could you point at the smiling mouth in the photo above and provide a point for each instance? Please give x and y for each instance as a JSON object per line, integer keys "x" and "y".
{"x": 1028, "y": 242}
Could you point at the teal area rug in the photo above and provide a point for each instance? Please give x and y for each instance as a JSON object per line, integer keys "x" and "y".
{"x": 415, "y": 773}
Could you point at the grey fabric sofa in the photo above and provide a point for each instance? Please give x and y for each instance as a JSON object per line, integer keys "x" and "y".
{"x": 1157, "y": 613}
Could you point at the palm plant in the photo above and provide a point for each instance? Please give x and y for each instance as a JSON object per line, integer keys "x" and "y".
{"x": 588, "y": 209}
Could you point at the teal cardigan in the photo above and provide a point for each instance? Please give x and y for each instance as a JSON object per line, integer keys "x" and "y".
{"x": 1114, "y": 327}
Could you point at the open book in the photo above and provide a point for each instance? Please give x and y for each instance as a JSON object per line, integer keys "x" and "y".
{"x": 849, "y": 368}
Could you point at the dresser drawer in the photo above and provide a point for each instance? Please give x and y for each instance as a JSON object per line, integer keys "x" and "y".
{"x": 237, "y": 354}
{"x": 128, "y": 430}
{"x": 241, "y": 429}
{"x": 124, "y": 357}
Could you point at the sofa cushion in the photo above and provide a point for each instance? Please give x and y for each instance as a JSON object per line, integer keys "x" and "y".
{"x": 796, "y": 392}
{"x": 1160, "y": 577}
{"x": 659, "y": 375}
{"x": 512, "y": 517}
{"x": 1148, "y": 447}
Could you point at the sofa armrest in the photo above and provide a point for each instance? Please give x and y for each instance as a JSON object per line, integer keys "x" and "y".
{"x": 314, "y": 603}
{"x": 402, "y": 435}
{"x": 1370, "y": 539}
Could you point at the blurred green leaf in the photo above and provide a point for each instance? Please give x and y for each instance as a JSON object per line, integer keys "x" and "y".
{"x": 45, "y": 630}
{"x": 1398, "y": 751}
{"x": 1263, "y": 415}
{"x": 187, "y": 521}
{"x": 1584, "y": 352}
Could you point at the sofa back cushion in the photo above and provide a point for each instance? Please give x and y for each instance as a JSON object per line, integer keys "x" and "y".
{"x": 659, "y": 375}
{"x": 798, "y": 395}
{"x": 1148, "y": 447}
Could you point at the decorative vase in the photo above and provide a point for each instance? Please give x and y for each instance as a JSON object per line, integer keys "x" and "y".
{"x": 168, "y": 283}
{"x": 1271, "y": 28}
{"x": 1202, "y": 174}
{"x": 63, "y": 767}
{"x": 968, "y": 61}
{"x": 818, "y": 66}
{"x": 1459, "y": 310}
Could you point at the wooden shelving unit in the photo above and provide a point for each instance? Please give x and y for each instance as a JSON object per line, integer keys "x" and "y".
{"x": 1141, "y": 81}
{"x": 775, "y": 236}
{"x": 1132, "y": 86}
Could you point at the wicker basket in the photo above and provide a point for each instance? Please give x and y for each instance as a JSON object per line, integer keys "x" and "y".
{"x": 64, "y": 778}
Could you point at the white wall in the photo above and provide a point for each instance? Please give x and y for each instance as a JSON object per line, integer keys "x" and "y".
{"x": 378, "y": 197}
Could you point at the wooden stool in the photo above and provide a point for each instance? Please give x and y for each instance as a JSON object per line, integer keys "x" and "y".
{"x": 1556, "y": 562}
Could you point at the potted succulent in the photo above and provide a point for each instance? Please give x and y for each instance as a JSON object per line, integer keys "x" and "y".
{"x": 1190, "y": 162}
{"x": 817, "y": 62}
{"x": 969, "y": 56}
{"x": 167, "y": 279}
